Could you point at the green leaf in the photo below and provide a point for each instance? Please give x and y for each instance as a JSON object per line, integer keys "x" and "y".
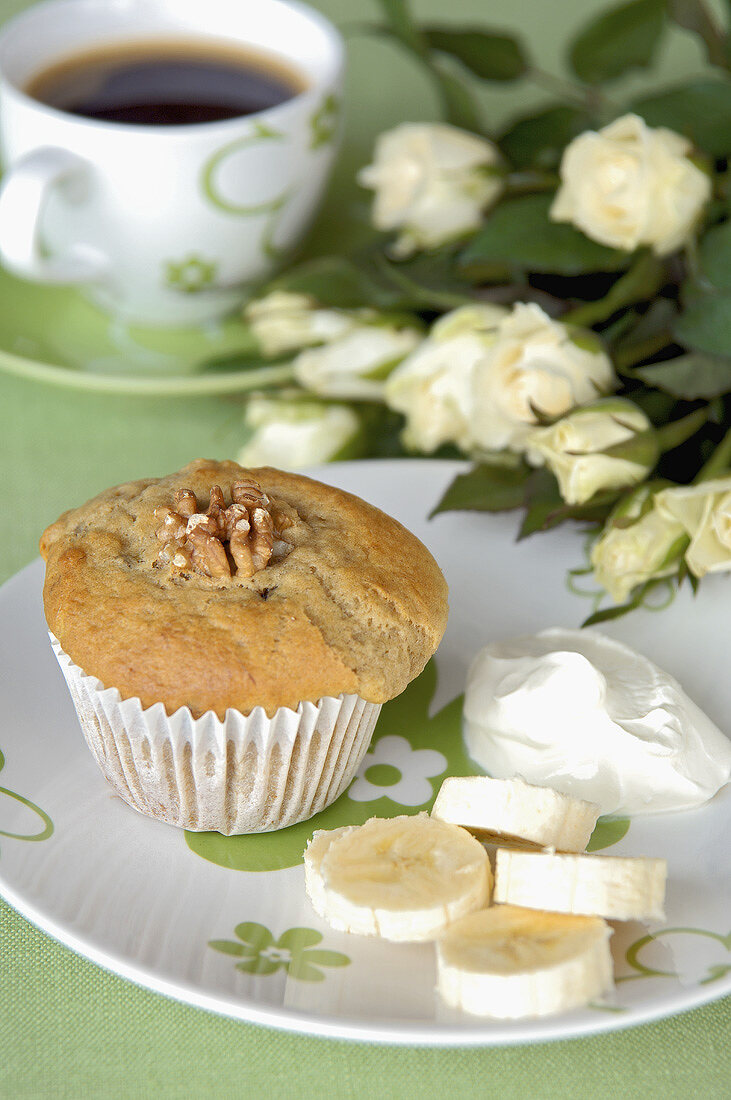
{"x": 486, "y": 488}
{"x": 426, "y": 281}
{"x": 714, "y": 254}
{"x": 334, "y": 281}
{"x": 689, "y": 376}
{"x": 705, "y": 322}
{"x": 458, "y": 104}
{"x": 700, "y": 109}
{"x": 541, "y": 139}
{"x": 607, "y": 831}
{"x": 609, "y": 613}
{"x": 520, "y": 233}
{"x": 228, "y": 947}
{"x": 693, "y": 16}
{"x": 546, "y": 509}
{"x": 402, "y": 25}
{"x": 488, "y": 56}
{"x": 543, "y": 501}
{"x": 625, "y": 38}
{"x": 642, "y": 281}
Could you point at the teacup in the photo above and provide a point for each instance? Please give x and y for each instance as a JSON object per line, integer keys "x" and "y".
{"x": 163, "y": 225}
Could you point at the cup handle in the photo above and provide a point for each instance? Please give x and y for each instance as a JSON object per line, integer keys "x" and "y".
{"x": 25, "y": 189}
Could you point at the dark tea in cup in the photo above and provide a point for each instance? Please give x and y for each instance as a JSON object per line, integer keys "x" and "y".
{"x": 166, "y": 82}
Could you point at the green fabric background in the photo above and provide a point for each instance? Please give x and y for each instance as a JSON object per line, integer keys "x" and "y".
{"x": 69, "y": 1029}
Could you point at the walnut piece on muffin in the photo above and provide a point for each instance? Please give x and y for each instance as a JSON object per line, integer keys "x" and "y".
{"x": 219, "y": 587}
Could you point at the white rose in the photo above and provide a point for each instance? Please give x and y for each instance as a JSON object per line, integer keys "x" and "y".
{"x": 283, "y": 322}
{"x": 573, "y": 449}
{"x": 356, "y": 364}
{"x": 631, "y": 553}
{"x": 704, "y": 510}
{"x": 629, "y": 185}
{"x": 432, "y": 182}
{"x": 533, "y": 364}
{"x": 290, "y": 434}
{"x": 432, "y": 387}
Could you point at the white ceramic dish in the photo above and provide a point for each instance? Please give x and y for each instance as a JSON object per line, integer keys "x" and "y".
{"x": 146, "y": 901}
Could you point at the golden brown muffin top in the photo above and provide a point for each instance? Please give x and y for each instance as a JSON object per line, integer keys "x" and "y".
{"x": 236, "y": 599}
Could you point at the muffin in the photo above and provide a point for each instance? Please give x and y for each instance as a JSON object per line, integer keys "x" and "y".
{"x": 229, "y": 635}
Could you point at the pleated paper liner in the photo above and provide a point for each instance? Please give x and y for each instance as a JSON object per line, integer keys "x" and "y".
{"x": 246, "y": 774}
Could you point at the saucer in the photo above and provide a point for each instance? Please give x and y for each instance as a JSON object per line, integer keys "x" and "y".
{"x": 55, "y": 335}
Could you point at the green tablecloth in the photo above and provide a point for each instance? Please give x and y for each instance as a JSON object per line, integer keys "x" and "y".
{"x": 69, "y": 1029}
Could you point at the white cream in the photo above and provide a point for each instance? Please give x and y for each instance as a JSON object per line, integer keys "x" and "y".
{"x": 588, "y": 716}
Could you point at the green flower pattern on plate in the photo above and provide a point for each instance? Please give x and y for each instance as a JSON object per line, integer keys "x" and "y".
{"x": 405, "y": 724}
{"x": 295, "y": 951}
{"x": 47, "y": 829}
{"x": 190, "y": 275}
{"x": 324, "y": 122}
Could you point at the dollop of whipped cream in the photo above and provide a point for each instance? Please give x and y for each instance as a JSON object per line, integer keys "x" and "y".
{"x": 588, "y": 716}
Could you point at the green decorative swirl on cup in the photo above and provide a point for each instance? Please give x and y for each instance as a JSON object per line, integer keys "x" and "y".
{"x": 260, "y": 133}
{"x": 324, "y": 121}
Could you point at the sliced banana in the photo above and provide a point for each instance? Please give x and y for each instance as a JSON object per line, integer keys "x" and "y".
{"x": 607, "y": 886}
{"x": 402, "y": 878}
{"x": 511, "y": 963}
{"x": 512, "y": 809}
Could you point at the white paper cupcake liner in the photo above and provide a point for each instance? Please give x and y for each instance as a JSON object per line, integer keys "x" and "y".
{"x": 247, "y": 774}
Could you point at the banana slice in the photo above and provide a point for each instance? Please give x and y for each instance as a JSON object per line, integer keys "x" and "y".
{"x": 605, "y": 886}
{"x": 511, "y": 963}
{"x": 402, "y": 878}
{"x": 512, "y": 809}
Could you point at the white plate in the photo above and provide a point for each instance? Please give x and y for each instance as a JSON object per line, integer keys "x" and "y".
{"x": 138, "y": 898}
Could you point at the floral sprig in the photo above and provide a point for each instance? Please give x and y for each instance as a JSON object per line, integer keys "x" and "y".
{"x": 551, "y": 302}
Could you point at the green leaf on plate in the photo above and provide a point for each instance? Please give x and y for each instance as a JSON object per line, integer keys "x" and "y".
{"x": 627, "y": 37}
{"x": 540, "y": 139}
{"x": 520, "y": 233}
{"x": 546, "y": 509}
{"x": 607, "y": 831}
{"x": 700, "y": 109}
{"x": 489, "y": 56}
{"x": 691, "y": 376}
{"x": 606, "y": 614}
{"x": 543, "y": 502}
{"x": 486, "y": 488}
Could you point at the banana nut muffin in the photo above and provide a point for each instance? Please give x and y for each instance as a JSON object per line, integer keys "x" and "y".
{"x": 228, "y": 636}
{"x": 220, "y": 587}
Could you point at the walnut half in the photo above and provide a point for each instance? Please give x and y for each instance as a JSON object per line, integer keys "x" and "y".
{"x": 223, "y": 540}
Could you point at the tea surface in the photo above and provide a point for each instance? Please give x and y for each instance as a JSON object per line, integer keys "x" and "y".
{"x": 166, "y": 83}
